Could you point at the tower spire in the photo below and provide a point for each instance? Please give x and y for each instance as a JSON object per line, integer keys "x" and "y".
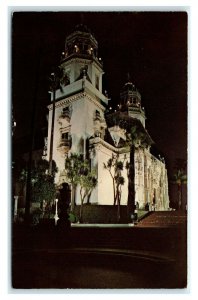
{"x": 128, "y": 77}
{"x": 82, "y": 21}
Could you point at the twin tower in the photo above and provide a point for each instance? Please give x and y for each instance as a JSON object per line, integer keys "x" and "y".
{"x": 83, "y": 123}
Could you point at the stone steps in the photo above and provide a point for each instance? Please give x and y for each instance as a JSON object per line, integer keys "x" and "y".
{"x": 164, "y": 219}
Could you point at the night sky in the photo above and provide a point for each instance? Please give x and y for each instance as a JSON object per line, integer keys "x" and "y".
{"x": 151, "y": 46}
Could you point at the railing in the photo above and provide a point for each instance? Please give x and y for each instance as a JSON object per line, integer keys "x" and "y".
{"x": 64, "y": 145}
{"x": 97, "y": 116}
{"x": 65, "y": 114}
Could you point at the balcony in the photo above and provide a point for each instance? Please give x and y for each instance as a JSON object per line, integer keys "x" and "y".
{"x": 99, "y": 120}
{"x": 64, "y": 146}
{"x": 64, "y": 118}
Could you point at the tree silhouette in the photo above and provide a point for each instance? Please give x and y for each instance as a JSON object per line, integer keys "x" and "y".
{"x": 79, "y": 174}
{"x": 43, "y": 188}
{"x": 73, "y": 163}
{"x": 115, "y": 168}
{"x": 180, "y": 179}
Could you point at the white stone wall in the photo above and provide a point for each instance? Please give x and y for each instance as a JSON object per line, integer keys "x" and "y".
{"x": 105, "y": 184}
{"x": 100, "y": 155}
{"x": 73, "y": 69}
{"x": 156, "y": 186}
{"x": 139, "y": 116}
{"x": 150, "y": 174}
{"x": 139, "y": 177}
{"x": 81, "y": 126}
{"x": 57, "y": 156}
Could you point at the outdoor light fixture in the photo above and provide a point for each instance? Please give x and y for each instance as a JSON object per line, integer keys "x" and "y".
{"x": 56, "y": 211}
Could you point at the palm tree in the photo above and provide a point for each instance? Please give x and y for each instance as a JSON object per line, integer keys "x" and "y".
{"x": 87, "y": 182}
{"x": 56, "y": 81}
{"x": 110, "y": 166}
{"x": 72, "y": 166}
{"x": 115, "y": 168}
{"x": 119, "y": 183}
{"x": 136, "y": 138}
{"x": 180, "y": 178}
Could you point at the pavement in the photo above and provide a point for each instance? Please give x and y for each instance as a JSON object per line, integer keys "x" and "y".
{"x": 92, "y": 269}
{"x": 100, "y": 257}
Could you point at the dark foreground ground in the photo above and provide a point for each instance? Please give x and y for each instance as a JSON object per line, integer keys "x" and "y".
{"x": 134, "y": 257}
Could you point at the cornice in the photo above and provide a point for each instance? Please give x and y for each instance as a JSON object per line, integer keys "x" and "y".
{"x": 73, "y": 98}
{"x": 82, "y": 60}
{"x": 98, "y": 141}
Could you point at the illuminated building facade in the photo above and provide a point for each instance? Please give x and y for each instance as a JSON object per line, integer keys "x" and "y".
{"x": 83, "y": 123}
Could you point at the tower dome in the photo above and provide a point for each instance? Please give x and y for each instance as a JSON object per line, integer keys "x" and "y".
{"x": 130, "y": 95}
{"x": 131, "y": 101}
{"x": 81, "y": 43}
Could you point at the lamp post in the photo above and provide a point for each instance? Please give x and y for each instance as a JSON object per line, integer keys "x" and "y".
{"x": 15, "y": 207}
{"x": 53, "y": 87}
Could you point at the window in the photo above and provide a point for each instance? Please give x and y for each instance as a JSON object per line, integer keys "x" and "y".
{"x": 97, "y": 82}
{"x": 65, "y": 109}
{"x": 65, "y": 136}
{"x": 97, "y": 115}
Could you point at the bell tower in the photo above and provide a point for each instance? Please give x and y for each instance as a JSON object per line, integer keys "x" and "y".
{"x": 79, "y": 101}
{"x": 131, "y": 101}
{"x": 80, "y": 58}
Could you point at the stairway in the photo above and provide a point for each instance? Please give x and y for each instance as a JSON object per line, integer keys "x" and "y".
{"x": 164, "y": 219}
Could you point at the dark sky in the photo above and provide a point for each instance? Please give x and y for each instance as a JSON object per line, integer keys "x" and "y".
{"x": 151, "y": 46}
